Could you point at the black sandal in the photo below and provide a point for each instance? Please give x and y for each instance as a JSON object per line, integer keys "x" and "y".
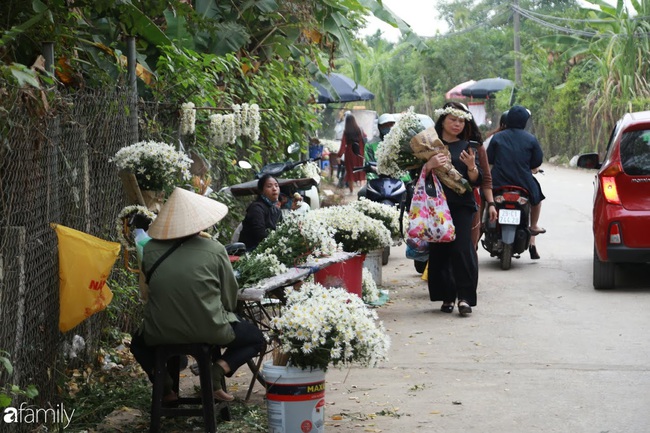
{"x": 464, "y": 308}
{"x": 533, "y": 253}
{"x": 447, "y": 308}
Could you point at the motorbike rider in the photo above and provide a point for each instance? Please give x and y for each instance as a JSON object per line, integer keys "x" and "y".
{"x": 385, "y": 122}
{"x": 515, "y": 155}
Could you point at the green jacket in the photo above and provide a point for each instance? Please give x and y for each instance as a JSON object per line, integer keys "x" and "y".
{"x": 192, "y": 294}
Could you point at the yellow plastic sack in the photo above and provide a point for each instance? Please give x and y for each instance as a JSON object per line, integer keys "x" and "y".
{"x": 425, "y": 274}
{"x": 84, "y": 265}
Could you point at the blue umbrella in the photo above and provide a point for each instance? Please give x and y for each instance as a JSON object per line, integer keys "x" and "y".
{"x": 340, "y": 88}
{"x": 482, "y": 89}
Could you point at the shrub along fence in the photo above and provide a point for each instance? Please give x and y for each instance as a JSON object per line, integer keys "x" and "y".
{"x": 54, "y": 167}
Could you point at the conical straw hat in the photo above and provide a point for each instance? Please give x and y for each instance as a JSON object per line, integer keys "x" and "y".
{"x": 186, "y": 213}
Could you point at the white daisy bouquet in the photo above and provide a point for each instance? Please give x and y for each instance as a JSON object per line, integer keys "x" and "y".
{"x": 394, "y": 154}
{"x": 319, "y": 327}
{"x": 253, "y": 267}
{"x": 355, "y": 231}
{"x": 388, "y": 215}
{"x": 299, "y": 239}
{"x": 332, "y": 145}
{"x": 156, "y": 166}
{"x": 309, "y": 169}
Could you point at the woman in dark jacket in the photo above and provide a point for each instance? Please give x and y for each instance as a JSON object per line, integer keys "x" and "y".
{"x": 263, "y": 214}
{"x": 515, "y": 154}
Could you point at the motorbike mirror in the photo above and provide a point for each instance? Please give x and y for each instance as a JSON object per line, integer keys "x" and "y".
{"x": 293, "y": 148}
{"x": 244, "y": 164}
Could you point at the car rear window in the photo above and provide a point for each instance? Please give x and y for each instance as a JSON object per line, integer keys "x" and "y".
{"x": 635, "y": 152}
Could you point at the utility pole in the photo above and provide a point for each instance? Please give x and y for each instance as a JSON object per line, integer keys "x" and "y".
{"x": 427, "y": 99}
{"x": 517, "y": 44}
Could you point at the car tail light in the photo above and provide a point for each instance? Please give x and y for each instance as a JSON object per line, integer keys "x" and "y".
{"x": 615, "y": 233}
{"x": 608, "y": 181}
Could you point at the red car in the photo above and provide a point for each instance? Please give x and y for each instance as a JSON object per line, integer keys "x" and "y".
{"x": 621, "y": 216}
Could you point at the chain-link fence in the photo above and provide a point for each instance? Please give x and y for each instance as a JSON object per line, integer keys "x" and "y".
{"x": 54, "y": 167}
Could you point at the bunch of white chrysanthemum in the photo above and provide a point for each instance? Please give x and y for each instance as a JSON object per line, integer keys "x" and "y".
{"x": 394, "y": 153}
{"x": 388, "y": 215}
{"x": 332, "y": 145}
{"x": 188, "y": 118}
{"x": 310, "y": 169}
{"x": 355, "y": 231}
{"x": 254, "y": 267}
{"x": 299, "y": 239}
{"x": 157, "y": 166}
{"x": 369, "y": 290}
{"x": 319, "y": 327}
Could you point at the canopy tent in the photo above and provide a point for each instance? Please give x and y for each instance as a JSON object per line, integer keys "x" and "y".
{"x": 344, "y": 90}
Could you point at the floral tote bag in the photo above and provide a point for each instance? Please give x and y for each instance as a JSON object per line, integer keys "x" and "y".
{"x": 429, "y": 215}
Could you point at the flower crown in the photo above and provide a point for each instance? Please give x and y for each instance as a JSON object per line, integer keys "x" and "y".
{"x": 453, "y": 111}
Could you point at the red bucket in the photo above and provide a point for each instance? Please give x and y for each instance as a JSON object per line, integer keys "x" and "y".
{"x": 345, "y": 274}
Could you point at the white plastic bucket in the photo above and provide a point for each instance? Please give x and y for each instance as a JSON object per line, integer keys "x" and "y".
{"x": 373, "y": 264}
{"x": 295, "y": 399}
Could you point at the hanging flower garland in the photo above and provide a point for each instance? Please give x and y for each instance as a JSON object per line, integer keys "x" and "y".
{"x": 127, "y": 214}
{"x": 188, "y": 118}
{"x": 229, "y": 129}
{"x": 224, "y": 128}
{"x": 253, "y": 122}
{"x": 216, "y": 129}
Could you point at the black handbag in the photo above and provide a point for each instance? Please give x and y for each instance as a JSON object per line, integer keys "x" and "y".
{"x": 356, "y": 148}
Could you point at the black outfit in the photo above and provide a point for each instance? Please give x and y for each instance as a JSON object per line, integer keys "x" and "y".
{"x": 261, "y": 217}
{"x": 513, "y": 153}
{"x": 453, "y": 266}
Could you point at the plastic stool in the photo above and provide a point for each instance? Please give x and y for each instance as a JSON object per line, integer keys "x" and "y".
{"x": 203, "y": 355}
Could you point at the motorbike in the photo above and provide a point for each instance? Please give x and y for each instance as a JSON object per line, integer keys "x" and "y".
{"x": 509, "y": 235}
{"x": 382, "y": 189}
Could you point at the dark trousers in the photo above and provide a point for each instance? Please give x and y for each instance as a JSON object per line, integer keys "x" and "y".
{"x": 248, "y": 342}
{"x": 453, "y": 266}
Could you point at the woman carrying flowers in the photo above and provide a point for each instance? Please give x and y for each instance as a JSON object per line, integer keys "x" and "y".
{"x": 263, "y": 214}
{"x": 453, "y": 266}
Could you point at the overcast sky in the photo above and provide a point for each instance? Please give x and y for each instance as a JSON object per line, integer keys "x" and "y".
{"x": 421, "y": 15}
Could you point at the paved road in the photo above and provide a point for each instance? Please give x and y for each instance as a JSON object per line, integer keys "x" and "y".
{"x": 543, "y": 351}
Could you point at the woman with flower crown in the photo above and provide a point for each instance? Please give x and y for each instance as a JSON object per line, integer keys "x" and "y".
{"x": 453, "y": 266}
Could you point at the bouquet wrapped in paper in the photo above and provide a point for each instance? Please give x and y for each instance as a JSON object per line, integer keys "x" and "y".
{"x": 427, "y": 144}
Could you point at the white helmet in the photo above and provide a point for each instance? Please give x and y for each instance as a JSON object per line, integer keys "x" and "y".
{"x": 385, "y": 118}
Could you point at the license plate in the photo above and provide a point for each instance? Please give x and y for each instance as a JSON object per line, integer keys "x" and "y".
{"x": 509, "y": 216}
